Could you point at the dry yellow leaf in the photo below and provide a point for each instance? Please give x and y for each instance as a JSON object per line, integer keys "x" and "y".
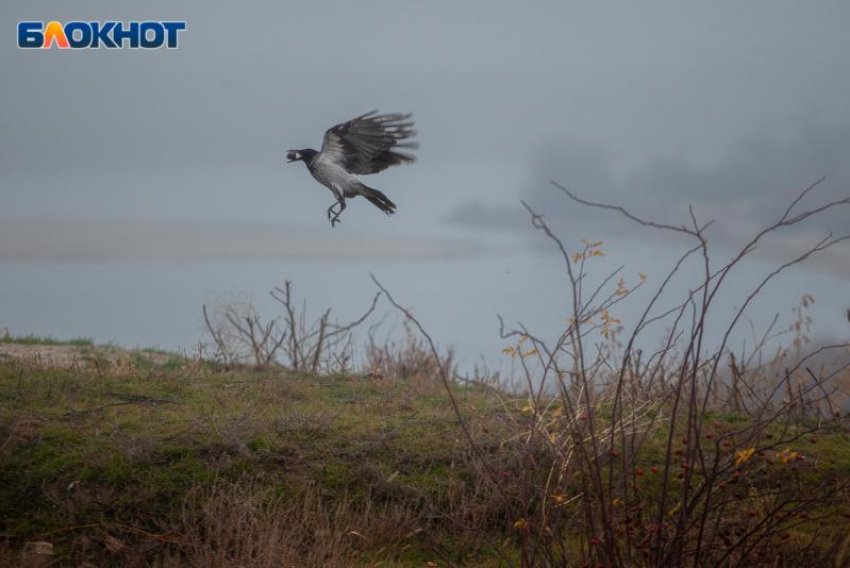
{"x": 743, "y": 455}
{"x": 521, "y": 524}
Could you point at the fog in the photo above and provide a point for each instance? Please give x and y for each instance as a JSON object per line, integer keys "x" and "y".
{"x": 137, "y": 185}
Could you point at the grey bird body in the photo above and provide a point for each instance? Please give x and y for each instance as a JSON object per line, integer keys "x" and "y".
{"x": 333, "y": 176}
{"x": 364, "y": 145}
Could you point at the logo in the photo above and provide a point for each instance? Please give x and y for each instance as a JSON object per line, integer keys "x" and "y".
{"x": 96, "y": 35}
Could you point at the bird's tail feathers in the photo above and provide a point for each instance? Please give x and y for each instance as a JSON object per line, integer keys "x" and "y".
{"x": 379, "y": 200}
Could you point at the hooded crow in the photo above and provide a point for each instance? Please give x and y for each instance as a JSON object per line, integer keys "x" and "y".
{"x": 364, "y": 145}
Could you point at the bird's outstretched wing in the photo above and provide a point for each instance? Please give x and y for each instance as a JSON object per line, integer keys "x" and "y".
{"x": 368, "y": 144}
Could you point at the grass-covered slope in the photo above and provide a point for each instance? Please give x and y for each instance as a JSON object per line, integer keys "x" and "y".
{"x": 120, "y": 462}
{"x": 129, "y": 461}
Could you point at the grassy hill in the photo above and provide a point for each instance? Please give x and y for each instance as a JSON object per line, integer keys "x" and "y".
{"x": 131, "y": 462}
{"x": 126, "y": 460}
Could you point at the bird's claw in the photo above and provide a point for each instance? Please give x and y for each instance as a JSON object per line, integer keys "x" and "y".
{"x": 333, "y": 213}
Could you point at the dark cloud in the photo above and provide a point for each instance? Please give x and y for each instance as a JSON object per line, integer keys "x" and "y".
{"x": 744, "y": 190}
{"x": 479, "y": 215}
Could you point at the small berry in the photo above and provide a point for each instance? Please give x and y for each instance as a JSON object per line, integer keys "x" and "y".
{"x": 654, "y": 469}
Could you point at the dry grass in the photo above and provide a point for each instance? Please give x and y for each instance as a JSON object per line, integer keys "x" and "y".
{"x": 189, "y": 465}
{"x": 245, "y": 525}
{"x": 194, "y": 465}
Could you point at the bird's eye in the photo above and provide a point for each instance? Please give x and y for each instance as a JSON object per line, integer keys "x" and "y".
{"x": 292, "y": 156}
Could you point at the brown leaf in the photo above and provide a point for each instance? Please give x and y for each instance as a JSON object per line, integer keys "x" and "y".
{"x": 112, "y": 544}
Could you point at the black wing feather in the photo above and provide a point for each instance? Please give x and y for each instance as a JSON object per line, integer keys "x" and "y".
{"x": 369, "y": 143}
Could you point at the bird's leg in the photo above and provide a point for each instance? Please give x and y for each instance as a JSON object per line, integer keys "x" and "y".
{"x": 336, "y": 214}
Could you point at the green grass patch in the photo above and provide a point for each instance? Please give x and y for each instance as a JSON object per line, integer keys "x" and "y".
{"x": 33, "y": 339}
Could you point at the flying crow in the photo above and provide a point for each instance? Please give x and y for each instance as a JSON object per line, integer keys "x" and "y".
{"x": 363, "y": 145}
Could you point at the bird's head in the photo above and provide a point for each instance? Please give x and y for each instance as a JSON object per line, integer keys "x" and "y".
{"x": 304, "y": 155}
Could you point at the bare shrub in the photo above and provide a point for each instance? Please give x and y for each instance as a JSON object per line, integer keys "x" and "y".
{"x": 324, "y": 344}
{"x": 409, "y": 358}
{"x": 240, "y": 334}
{"x": 685, "y": 455}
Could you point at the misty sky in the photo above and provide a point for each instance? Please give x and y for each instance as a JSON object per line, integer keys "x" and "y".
{"x": 123, "y": 158}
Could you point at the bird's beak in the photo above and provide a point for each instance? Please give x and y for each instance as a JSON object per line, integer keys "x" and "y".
{"x": 291, "y": 156}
